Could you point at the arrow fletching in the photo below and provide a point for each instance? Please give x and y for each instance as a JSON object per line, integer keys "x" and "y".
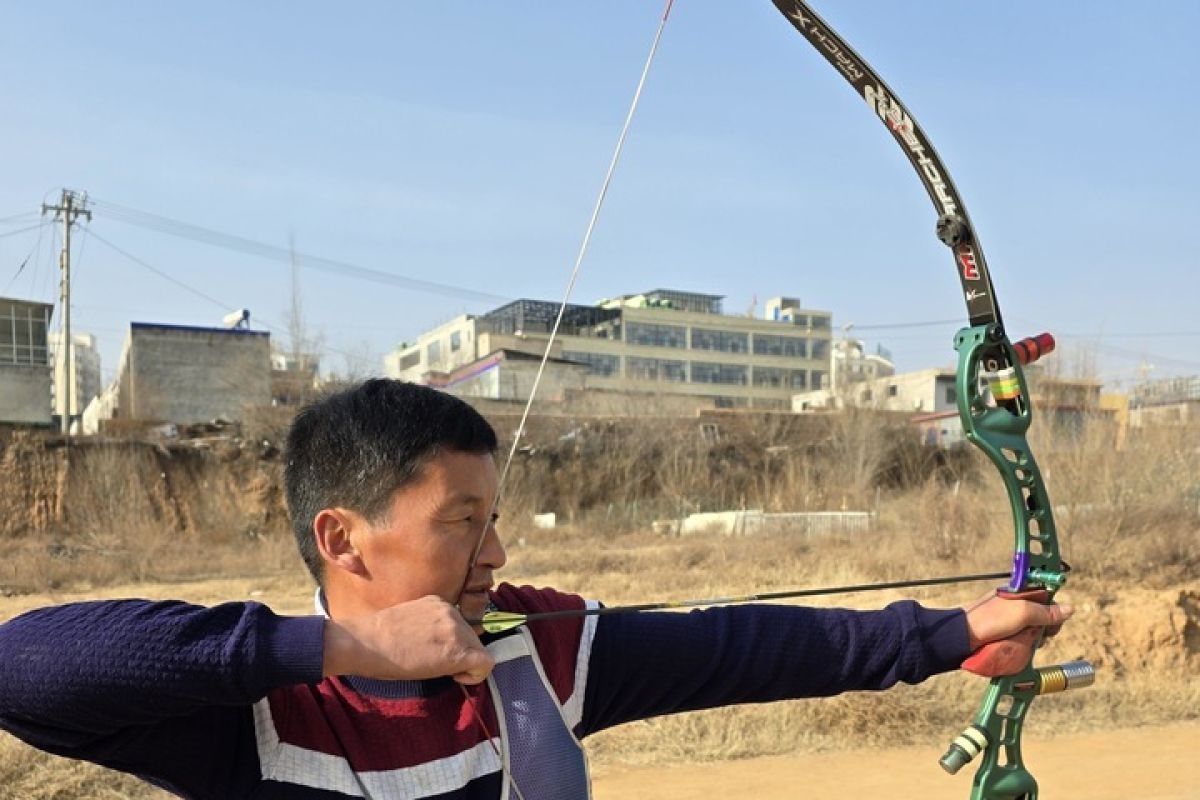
{"x": 501, "y": 621}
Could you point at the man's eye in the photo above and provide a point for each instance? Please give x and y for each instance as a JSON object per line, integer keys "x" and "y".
{"x": 472, "y": 519}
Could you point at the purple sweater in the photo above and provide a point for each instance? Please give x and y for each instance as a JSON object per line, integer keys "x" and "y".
{"x": 165, "y": 690}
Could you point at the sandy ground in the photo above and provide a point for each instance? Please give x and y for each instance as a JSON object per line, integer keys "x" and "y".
{"x": 1157, "y": 763}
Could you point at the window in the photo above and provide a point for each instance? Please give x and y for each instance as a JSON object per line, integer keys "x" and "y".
{"x": 731, "y": 402}
{"x": 655, "y": 369}
{"x": 7, "y": 335}
{"x": 433, "y": 354}
{"x": 410, "y": 360}
{"x": 893, "y": 391}
{"x": 23, "y": 334}
{"x": 731, "y": 374}
{"x": 779, "y": 378}
{"x": 455, "y": 341}
{"x": 951, "y": 395}
{"x": 820, "y": 349}
{"x": 817, "y": 378}
{"x": 598, "y": 363}
{"x": 723, "y": 341}
{"x": 656, "y": 335}
{"x": 771, "y": 345}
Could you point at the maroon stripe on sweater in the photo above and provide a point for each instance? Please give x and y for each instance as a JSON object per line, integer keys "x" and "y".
{"x": 376, "y": 733}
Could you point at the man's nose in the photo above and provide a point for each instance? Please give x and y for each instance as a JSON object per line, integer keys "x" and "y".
{"x": 492, "y": 553}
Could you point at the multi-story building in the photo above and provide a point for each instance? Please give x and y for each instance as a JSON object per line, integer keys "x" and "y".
{"x": 84, "y": 380}
{"x": 1171, "y": 401}
{"x": 851, "y": 363}
{"x": 662, "y": 342}
{"x": 25, "y": 373}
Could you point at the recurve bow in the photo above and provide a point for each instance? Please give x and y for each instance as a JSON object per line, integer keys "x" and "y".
{"x": 995, "y": 410}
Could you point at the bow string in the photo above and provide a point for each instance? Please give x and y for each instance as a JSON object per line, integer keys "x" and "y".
{"x": 994, "y": 408}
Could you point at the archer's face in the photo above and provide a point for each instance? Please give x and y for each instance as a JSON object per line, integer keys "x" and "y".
{"x": 424, "y": 545}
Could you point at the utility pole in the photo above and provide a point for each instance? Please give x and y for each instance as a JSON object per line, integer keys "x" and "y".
{"x": 71, "y": 206}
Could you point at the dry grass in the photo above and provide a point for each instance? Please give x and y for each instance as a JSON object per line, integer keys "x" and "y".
{"x": 26, "y": 773}
{"x": 130, "y": 511}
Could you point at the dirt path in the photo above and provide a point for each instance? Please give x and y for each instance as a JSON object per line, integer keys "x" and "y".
{"x": 1159, "y": 763}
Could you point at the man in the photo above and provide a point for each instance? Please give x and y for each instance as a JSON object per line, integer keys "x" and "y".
{"x": 388, "y": 692}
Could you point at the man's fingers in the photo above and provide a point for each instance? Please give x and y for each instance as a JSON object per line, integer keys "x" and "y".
{"x": 1057, "y": 616}
{"x": 999, "y": 616}
{"x": 1003, "y": 633}
{"x": 476, "y": 664}
{"x": 1060, "y": 613}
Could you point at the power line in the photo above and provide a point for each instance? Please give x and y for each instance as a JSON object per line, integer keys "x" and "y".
{"x": 1177, "y": 362}
{"x": 45, "y": 287}
{"x": 186, "y": 230}
{"x": 124, "y": 310}
{"x": 162, "y": 274}
{"x": 852, "y": 327}
{"x": 25, "y": 261}
{"x": 13, "y": 217}
{"x": 192, "y": 290}
{"x": 1101, "y": 336}
{"x": 41, "y": 224}
{"x": 82, "y": 247}
{"x": 898, "y": 325}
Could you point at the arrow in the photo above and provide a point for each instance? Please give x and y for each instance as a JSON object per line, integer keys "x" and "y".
{"x": 502, "y": 621}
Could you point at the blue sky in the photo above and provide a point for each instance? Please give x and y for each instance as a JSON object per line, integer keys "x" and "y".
{"x": 464, "y": 144}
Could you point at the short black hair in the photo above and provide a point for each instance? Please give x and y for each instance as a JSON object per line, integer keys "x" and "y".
{"x": 356, "y": 447}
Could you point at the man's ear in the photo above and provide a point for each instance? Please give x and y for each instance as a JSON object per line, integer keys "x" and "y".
{"x": 335, "y": 531}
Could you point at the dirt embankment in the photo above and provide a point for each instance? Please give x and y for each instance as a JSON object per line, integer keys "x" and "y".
{"x": 93, "y": 512}
{"x": 59, "y": 488}
{"x": 1142, "y": 630}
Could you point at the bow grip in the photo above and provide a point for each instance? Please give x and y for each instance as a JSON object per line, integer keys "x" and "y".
{"x": 1008, "y": 656}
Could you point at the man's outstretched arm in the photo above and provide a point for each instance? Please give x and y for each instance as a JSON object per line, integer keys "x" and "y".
{"x": 643, "y": 665}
